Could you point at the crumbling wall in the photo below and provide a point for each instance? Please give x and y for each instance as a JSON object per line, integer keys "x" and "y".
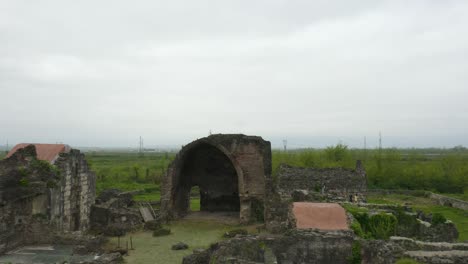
{"x": 296, "y": 184}
{"x": 39, "y": 200}
{"x": 306, "y": 246}
{"x": 77, "y": 191}
{"x": 113, "y": 214}
{"x": 247, "y": 158}
{"x": 338, "y": 184}
{"x": 389, "y": 251}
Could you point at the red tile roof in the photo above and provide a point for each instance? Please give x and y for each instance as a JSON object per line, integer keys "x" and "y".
{"x": 325, "y": 216}
{"x": 47, "y": 152}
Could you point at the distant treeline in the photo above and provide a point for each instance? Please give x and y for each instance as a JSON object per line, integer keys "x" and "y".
{"x": 439, "y": 170}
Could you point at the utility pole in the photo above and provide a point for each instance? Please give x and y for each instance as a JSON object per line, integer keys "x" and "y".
{"x": 140, "y": 148}
{"x": 365, "y": 148}
{"x": 285, "y": 144}
{"x": 380, "y": 140}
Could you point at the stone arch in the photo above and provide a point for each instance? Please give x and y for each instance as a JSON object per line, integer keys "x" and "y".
{"x": 229, "y": 169}
{"x": 217, "y": 175}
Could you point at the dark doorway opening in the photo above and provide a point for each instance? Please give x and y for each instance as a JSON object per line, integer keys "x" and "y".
{"x": 212, "y": 171}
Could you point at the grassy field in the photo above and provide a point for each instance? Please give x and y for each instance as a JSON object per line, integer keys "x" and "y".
{"x": 130, "y": 171}
{"x": 439, "y": 170}
{"x": 457, "y": 216}
{"x": 195, "y": 233}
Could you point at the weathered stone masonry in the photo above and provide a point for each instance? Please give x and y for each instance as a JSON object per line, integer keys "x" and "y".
{"x": 296, "y": 184}
{"x": 230, "y": 171}
{"x": 38, "y": 200}
{"x": 334, "y": 184}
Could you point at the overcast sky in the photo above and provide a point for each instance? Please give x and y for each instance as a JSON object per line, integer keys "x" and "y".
{"x": 102, "y": 73}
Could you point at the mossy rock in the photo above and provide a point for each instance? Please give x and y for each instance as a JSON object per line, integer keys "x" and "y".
{"x": 235, "y": 232}
{"x": 161, "y": 232}
{"x": 153, "y": 225}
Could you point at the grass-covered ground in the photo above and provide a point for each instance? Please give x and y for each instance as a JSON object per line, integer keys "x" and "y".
{"x": 195, "y": 233}
{"x": 457, "y": 216}
{"x": 130, "y": 171}
{"x": 438, "y": 170}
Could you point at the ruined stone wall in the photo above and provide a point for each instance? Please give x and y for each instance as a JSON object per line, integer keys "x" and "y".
{"x": 251, "y": 158}
{"x": 38, "y": 200}
{"x": 309, "y": 246}
{"x": 296, "y": 184}
{"x": 77, "y": 191}
{"x": 342, "y": 183}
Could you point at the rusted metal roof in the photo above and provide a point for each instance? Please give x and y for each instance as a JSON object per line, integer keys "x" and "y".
{"x": 47, "y": 152}
{"x": 324, "y": 216}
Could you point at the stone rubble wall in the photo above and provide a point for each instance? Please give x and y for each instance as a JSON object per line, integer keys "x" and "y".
{"x": 296, "y": 184}
{"x": 343, "y": 184}
{"x": 388, "y": 252}
{"x": 305, "y": 246}
{"x": 449, "y": 201}
{"x": 39, "y": 201}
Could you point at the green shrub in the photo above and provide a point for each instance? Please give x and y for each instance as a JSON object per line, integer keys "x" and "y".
{"x": 382, "y": 226}
{"x": 355, "y": 253}
{"x": 438, "y": 218}
{"x": 407, "y": 224}
{"x": 356, "y": 227}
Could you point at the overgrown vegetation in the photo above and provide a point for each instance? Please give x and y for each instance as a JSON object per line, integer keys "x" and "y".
{"x": 457, "y": 216}
{"x": 379, "y": 226}
{"x": 438, "y": 170}
{"x": 130, "y": 171}
{"x": 356, "y": 253}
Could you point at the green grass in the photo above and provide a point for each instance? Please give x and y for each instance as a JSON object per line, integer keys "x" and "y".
{"x": 128, "y": 171}
{"x": 195, "y": 204}
{"x": 149, "y": 249}
{"x": 147, "y": 197}
{"x": 457, "y": 216}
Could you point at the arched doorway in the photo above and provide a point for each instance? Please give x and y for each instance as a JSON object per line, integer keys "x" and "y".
{"x": 207, "y": 167}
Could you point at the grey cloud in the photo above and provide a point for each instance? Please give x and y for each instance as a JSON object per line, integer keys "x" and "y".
{"x": 104, "y": 72}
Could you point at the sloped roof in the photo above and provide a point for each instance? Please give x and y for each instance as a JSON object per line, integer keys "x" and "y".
{"x": 47, "y": 152}
{"x": 324, "y": 216}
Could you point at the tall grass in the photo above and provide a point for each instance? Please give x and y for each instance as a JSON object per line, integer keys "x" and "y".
{"x": 128, "y": 171}
{"x": 444, "y": 171}
{"x": 438, "y": 170}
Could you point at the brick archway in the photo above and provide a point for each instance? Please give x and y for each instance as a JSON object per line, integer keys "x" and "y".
{"x": 230, "y": 171}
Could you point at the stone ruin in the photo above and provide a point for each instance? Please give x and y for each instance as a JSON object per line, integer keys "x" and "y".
{"x": 300, "y": 208}
{"x": 113, "y": 213}
{"x": 296, "y": 184}
{"x": 45, "y": 190}
{"x": 230, "y": 171}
